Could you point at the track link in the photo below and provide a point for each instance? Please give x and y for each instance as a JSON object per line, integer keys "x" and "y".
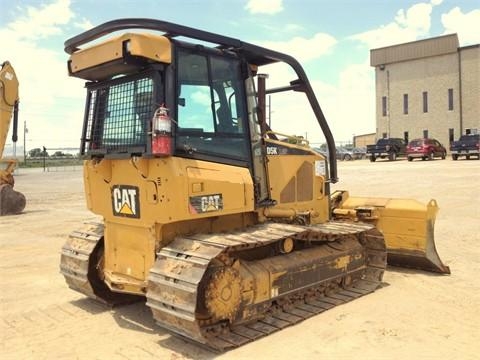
{"x": 177, "y": 281}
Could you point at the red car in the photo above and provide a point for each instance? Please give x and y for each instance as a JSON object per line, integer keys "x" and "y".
{"x": 425, "y": 149}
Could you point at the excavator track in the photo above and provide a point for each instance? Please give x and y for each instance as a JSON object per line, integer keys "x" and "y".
{"x": 196, "y": 289}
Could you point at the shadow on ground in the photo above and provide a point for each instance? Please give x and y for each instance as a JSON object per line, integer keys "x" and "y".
{"x": 137, "y": 317}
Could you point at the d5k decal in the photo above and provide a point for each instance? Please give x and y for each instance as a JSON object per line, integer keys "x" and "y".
{"x": 125, "y": 201}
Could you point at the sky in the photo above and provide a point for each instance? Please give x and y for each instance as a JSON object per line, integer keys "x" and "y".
{"x": 331, "y": 39}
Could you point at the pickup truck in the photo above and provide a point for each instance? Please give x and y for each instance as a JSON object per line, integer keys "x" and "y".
{"x": 467, "y": 145}
{"x": 389, "y": 148}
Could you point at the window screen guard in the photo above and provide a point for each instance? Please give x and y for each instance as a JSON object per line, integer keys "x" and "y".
{"x": 118, "y": 116}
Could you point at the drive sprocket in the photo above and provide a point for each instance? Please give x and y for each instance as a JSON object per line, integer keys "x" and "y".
{"x": 223, "y": 294}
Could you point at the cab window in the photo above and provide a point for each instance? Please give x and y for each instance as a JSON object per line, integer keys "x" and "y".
{"x": 210, "y": 114}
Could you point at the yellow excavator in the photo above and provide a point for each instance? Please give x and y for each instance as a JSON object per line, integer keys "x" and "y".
{"x": 227, "y": 228}
{"x": 11, "y": 201}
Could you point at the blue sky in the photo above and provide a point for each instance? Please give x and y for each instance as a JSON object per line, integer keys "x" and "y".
{"x": 331, "y": 39}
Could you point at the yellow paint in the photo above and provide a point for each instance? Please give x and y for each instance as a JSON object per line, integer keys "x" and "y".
{"x": 126, "y": 210}
{"x": 153, "y": 47}
{"x": 281, "y": 170}
{"x": 8, "y": 96}
{"x": 131, "y": 243}
{"x": 406, "y": 224}
{"x": 197, "y": 187}
{"x": 342, "y": 262}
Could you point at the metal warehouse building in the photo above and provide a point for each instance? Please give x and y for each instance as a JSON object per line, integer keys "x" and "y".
{"x": 427, "y": 88}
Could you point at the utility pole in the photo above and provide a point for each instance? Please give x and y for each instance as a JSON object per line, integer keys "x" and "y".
{"x": 25, "y": 131}
{"x": 44, "y": 157}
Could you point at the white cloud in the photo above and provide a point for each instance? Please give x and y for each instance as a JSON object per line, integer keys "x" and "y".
{"x": 50, "y": 101}
{"x": 467, "y": 25}
{"x": 84, "y": 24}
{"x": 407, "y": 26}
{"x": 416, "y": 18}
{"x": 43, "y": 21}
{"x": 264, "y": 6}
{"x": 302, "y": 48}
{"x": 293, "y": 27}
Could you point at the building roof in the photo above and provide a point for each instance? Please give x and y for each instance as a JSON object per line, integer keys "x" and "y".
{"x": 435, "y": 46}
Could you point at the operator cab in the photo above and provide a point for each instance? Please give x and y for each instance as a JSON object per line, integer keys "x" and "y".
{"x": 209, "y": 94}
{"x": 205, "y": 98}
{"x": 155, "y": 96}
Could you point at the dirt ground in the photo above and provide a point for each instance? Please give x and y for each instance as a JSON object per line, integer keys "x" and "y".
{"x": 415, "y": 315}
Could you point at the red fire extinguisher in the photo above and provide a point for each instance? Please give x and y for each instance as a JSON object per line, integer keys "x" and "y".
{"x": 162, "y": 132}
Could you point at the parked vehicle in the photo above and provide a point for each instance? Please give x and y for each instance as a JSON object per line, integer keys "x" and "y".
{"x": 425, "y": 149}
{"x": 467, "y": 146}
{"x": 344, "y": 154}
{"x": 359, "y": 153}
{"x": 390, "y": 148}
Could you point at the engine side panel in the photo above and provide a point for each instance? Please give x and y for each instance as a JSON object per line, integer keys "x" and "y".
{"x": 297, "y": 177}
{"x": 138, "y": 198}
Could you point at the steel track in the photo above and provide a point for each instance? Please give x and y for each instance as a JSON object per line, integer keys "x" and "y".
{"x": 175, "y": 281}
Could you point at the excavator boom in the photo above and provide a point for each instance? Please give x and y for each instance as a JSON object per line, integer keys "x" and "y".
{"x": 11, "y": 201}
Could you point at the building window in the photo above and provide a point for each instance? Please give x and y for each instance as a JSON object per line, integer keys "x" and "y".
{"x": 425, "y": 102}
{"x": 405, "y": 136}
{"x": 451, "y": 135}
{"x": 425, "y": 134}
{"x": 450, "y": 99}
{"x": 384, "y": 106}
{"x": 405, "y": 104}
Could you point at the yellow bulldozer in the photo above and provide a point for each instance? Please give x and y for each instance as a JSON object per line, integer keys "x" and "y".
{"x": 11, "y": 201}
{"x": 227, "y": 228}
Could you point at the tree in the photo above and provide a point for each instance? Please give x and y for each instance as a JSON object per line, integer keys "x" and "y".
{"x": 37, "y": 152}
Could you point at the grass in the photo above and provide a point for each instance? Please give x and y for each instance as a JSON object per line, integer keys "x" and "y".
{"x": 50, "y": 162}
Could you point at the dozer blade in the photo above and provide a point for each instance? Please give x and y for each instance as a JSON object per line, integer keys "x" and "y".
{"x": 11, "y": 202}
{"x": 407, "y": 225}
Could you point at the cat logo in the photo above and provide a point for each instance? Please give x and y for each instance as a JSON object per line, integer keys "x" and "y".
{"x": 207, "y": 203}
{"x": 125, "y": 201}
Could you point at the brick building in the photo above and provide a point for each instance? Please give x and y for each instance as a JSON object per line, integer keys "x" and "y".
{"x": 427, "y": 88}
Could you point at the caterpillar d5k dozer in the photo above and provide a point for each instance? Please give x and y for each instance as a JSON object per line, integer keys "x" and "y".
{"x": 227, "y": 230}
{"x": 11, "y": 201}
